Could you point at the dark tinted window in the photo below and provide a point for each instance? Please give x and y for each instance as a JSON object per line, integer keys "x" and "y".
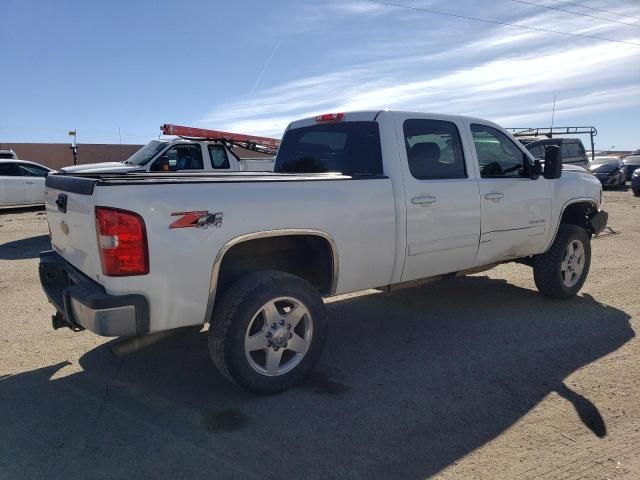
{"x": 575, "y": 150}
{"x": 347, "y": 147}
{"x": 180, "y": 157}
{"x": 9, "y": 169}
{"x": 606, "y": 167}
{"x": 537, "y": 151}
{"x": 498, "y": 155}
{"x": 434, "y": 149}
{"x": 218, "y": 156}
{"x": 32, "y": 170}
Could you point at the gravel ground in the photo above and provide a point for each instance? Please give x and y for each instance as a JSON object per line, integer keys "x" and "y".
{"x": 476, "y": 377}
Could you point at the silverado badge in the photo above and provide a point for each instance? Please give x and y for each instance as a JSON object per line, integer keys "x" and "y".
{"x": 198, "y": 219}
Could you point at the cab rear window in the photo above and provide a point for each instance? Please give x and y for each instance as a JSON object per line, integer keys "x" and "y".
{"x": 352, "y": 148}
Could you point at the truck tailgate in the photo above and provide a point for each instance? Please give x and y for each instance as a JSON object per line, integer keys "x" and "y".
{"x": 70, "y": 205}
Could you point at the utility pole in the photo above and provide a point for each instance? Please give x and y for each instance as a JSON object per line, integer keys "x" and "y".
{"x": 553, "y": 112}
{"x": 74, "y": 145}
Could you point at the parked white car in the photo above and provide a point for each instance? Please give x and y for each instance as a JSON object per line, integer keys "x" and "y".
{"x": 22, "y": 182}
{"x": 360, "y": 200}
{"x": 167, "y": 156}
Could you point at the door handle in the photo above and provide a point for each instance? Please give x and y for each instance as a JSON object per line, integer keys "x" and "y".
{"x": 496, "y": 197}
{"x": 29, "y": 183}
{"x": 424, "y": 200}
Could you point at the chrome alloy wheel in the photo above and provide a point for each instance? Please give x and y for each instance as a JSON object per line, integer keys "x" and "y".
{"x": 572, "y": 264}
{"x": 278, "y": 336}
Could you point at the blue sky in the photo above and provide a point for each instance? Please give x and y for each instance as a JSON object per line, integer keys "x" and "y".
{"x": 252, "y": 66}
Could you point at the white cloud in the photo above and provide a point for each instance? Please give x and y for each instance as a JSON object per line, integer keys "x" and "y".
{"x": 590, "y": 103}
{"x": 357, "y": 8}
{"x": 504, "y": 74}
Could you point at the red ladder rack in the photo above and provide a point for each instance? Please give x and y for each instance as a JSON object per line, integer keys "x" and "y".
{"x": 250, "y": 142}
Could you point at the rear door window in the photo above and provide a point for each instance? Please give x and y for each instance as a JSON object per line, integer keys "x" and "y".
{"x": 434, "y": 149}
{"x": 219, "y": 158}
{"x": 352, "y": 148}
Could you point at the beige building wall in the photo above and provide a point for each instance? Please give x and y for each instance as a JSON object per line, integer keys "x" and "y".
{"x": 57, "y": 155}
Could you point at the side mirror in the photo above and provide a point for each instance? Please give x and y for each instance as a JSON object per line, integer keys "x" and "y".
{"x": 552, "y": 162}
{"x": 531, "y": 170}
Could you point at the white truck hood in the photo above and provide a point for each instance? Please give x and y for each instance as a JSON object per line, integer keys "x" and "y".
{"x": 104, "y": 167}
{"x": 573, "y": 168}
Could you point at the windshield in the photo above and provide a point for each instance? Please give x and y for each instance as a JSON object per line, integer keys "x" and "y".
{"x": 349, "y": 147}
{"x": 146, "y": 153}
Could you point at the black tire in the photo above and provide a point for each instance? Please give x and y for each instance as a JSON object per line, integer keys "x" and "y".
{"x": 547, "y": 267}
{"x": 234, "y": 314}
{"x": 636, "y": 192}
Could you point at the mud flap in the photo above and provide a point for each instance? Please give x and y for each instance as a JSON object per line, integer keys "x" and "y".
{"x": 598, "y": 222}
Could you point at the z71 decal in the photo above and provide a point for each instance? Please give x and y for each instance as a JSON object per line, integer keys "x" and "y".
{"x": 199, "y": 219}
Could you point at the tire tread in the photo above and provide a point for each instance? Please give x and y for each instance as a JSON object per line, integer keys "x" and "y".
{"x": 545, "y": 266}
{"x": 226, "y": 311}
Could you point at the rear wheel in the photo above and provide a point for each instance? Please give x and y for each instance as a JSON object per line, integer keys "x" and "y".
{"x": 562, "y": 270}
{"x": 268, "y": 331}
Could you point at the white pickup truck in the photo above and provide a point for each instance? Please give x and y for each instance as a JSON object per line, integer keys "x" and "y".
{"x": 166, "y": 156}
{"x": 359, "y": 200}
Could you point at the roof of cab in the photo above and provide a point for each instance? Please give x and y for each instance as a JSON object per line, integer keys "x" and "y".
{"x": 371, "y": 115}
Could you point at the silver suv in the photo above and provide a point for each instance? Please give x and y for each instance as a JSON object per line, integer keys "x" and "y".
{"x": 8, "y": 154}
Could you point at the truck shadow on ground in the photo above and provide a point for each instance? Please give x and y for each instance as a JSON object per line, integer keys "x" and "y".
{"x": 24, "y": 248}
{"x": 409, "y": 382}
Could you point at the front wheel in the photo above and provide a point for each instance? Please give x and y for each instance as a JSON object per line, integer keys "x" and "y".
{"x": 562, "y": 270}
{"x": 268, "y": 331}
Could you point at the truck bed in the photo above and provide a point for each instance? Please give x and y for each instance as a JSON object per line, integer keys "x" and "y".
{"x": 358, "y": 215}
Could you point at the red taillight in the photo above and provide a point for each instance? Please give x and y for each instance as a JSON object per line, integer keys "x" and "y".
{"x": 330, "y": 117}
{"x": 122, "y": 242}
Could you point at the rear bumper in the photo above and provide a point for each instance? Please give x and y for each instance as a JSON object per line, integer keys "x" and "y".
{"x": 82, "y": 303}
{"x": 599, "y": 221}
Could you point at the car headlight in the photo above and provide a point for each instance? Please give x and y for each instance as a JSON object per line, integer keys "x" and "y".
{"x": 636, "y": 173}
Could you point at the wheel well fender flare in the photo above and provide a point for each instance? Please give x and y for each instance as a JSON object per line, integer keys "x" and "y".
{"x": 215, "y": 270}
{"x": 569, "y": 203}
